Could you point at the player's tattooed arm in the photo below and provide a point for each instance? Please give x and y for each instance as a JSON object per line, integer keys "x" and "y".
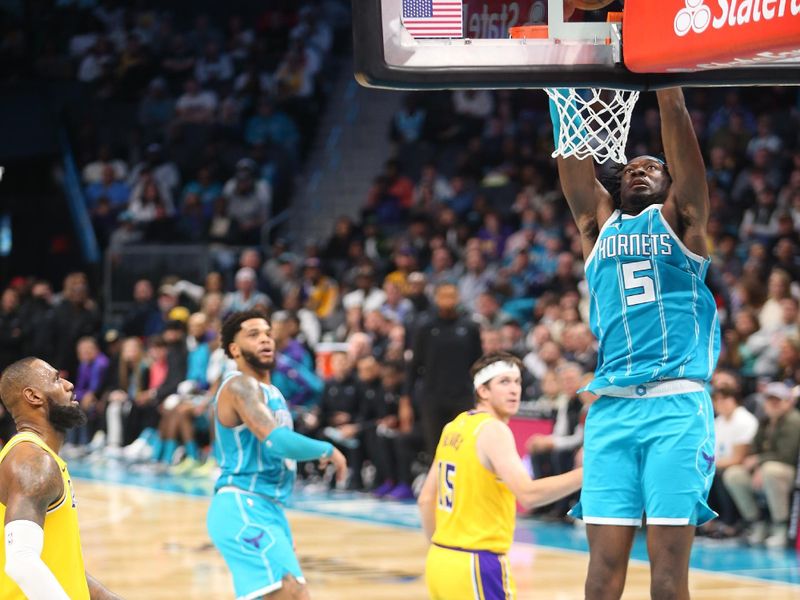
{"x": 248, "y": 402}
{"x": 33, "y": 482}
{"x": 689, "y": 190}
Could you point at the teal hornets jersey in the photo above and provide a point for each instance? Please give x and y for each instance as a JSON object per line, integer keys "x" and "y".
{"x": 244, "y": 461}
{"x": 650, "y": 308}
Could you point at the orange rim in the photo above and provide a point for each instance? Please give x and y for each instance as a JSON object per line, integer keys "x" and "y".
{"x": 529, "y": 32}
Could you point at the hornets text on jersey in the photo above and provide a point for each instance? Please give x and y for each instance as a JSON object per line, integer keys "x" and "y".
{"x": 650, "y": 309}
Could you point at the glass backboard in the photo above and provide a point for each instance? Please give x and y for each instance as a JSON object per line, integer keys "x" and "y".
{"x": 637, "y": 45}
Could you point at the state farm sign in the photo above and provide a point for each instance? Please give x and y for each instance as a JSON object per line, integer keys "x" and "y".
{"x": 689, "y": 35}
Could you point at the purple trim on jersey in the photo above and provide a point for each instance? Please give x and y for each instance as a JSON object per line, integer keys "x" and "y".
{"x": 459, "y": 549}
{"x": 492, "y": 578}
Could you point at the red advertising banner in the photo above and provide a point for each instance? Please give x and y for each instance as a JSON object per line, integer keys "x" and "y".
{"x": 695, "y": 35}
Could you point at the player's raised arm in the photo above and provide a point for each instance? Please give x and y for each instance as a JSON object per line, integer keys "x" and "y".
{"x": 689, "y": 191}
{"x": 497, "y": 449}
{"x": 33, "y": 482}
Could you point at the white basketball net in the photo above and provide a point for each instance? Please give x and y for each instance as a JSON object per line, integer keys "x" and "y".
{"x": 593, "y": 122}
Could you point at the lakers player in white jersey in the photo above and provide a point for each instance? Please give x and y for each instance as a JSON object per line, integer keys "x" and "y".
{"x": 468, "y": 502}
{"x": 41, "y": 552}
{"x": 649, "y": 438}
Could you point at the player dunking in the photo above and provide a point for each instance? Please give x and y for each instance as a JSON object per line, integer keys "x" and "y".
{"x": 41, "y": 552}
{"x": 468, "y": 504}
{"x": 649, "y": 442}
{"x": 256, "y": 450}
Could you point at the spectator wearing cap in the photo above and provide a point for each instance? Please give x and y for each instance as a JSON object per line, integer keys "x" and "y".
{"x": 734, "y": 429}
{"x": 249, "y": 201}
{"x": 770, "y": 467}
{"x": 320, "y": 292}
{"x": 246, "y": 296}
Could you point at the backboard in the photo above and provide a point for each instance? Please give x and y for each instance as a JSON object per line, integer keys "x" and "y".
{"x": 441, "y": 44}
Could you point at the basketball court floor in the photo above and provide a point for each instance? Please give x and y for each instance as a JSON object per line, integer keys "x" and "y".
{"x": 144, "y": 536}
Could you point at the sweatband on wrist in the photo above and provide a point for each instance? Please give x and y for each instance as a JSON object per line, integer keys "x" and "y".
{"x": 288, "y": 444}
{"x": 24, "y": 541}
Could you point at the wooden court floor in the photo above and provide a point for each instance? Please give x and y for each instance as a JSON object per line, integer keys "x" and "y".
{"x": 150, "y": 545}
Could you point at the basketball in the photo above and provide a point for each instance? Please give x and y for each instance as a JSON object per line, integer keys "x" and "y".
{"x": 589, "y": 4}
{"x": 571, "y": 5}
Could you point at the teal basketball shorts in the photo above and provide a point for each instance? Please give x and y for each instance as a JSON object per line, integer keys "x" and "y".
{"x": 252, "y": 534}
{"x": 651, "y": 455}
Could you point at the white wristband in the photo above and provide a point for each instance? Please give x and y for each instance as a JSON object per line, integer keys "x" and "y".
{"x": 24, "y": 541}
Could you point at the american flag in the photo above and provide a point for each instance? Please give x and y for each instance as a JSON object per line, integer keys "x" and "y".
{"x": 433, "y": 18}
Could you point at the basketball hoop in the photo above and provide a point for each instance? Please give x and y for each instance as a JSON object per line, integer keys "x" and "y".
{"x": 592, "y": 122}
{"x": 589, "y": 122}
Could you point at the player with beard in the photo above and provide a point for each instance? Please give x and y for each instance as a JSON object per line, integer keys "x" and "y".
{"x": 257, "y": 451}
{"x": 649, "y": 438}
{"x": 41, "y": 552}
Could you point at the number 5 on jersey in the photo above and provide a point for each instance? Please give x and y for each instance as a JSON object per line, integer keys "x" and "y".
{"x": 447, "y": 476}
{"x": 634, "y": 281}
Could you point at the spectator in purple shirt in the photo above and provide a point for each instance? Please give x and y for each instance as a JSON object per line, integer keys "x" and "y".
{"x": 89, "y": 383}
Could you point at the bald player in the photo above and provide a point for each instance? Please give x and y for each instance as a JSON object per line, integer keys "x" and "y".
{"x": 41, "y": 551}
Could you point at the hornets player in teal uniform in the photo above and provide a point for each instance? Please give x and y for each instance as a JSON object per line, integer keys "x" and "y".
{"x": 649, "y": 438}
{"x": 257, "y": 453}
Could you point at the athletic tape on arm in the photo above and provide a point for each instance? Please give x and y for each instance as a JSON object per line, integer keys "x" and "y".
{"x": 289, "y": 444}
{"x": 24, "y": 542}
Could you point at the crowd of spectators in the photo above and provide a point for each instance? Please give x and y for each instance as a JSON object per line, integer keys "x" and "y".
{"x": 192, "y": 125}
{"x": 464, "y": 245}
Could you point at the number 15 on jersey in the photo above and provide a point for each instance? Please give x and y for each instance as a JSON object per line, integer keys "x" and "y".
{"x": 447, "y": 476}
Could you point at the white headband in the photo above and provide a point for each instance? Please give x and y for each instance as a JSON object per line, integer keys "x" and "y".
{"x": 493, "y": 370}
